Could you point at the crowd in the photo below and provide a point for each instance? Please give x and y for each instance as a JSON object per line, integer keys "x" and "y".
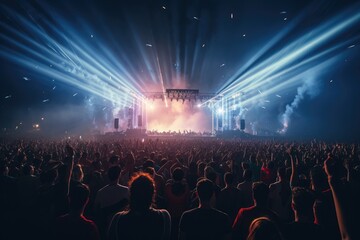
{"x": 201, "y": 188}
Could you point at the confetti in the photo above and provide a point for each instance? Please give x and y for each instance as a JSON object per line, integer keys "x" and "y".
{"x": 54, "y": 88}
{"x": 263, "y": 107}
{"x": 163, "y": 7}
{"x": 196, "y": 18}
{"x": 222, "y": 65}
{"x": 75, "y": 94}
{"x": 331, "y": 80}
{"x": 42, "y": 119}
{"x": 351, "y": 46}
{"x": 148, "y": 45}
{"x": 46, "y": 100}
{"x": 283, "y": 12}
{"x": 203, "y": 45}
{"x": 278, "y": 95}
{"x": 8, "y": 96}
{"x": 26, "y": 78}
{"x": 285, "y": 19}
{"x": 259, "y": 91}
{"x": 104, "y": 109}
{"x": 91, "y": 36}
{"x": 267, "y": 101}
{"x": 244, "y": 35}
{"x": 231, "y": 15}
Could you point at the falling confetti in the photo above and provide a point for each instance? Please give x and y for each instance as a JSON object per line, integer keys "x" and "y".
{"x": 278, "y": 95}
{"x": 285, "y": 19}
{"x": 148, "y": 45}
{"x": 8, "y": 96}
{"x": 26, "y": 78}
{"x": 54, "y": 88}
{"x": 259, "y": 91}
{"x": 351, "y": 46}
{"x": 196, "y": 18}
{"x": 203, "y": 45}
{"x": 46, "y": 100}
{"x": 163, "y": 7}
{"x": 75, "y": 94}
{"x": 91, "y": 36}
{"x": 331, "y": 80}
{"x": 231, "y": 15}
{"x": 222, "y": 65}
{"x": 244, "y": 35}
{"x": 283, "y": 12}
{"x": 267, "y": 101}
{"x": 263, "y": 107}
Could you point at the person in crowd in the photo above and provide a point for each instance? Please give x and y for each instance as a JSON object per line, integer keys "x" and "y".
{"x": 245, "y": 188}
{"x": 230, "y": 198}
{"x": 141, "y": 221}
{"x": 204, "y": 222}
{"x": 74, "y": 225}
{"x": 280, "y": 196}
{"x": 303, "y": 227}
{"x": 110, "y": 199}
{"x": 260, "y": 208}
{"x": 177, "y": 195}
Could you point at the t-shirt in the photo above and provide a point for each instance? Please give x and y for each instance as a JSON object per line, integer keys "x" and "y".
{"x": 151, "y": 224}
{"x": 75, "y": 228}
{"x": 204, "y": 223}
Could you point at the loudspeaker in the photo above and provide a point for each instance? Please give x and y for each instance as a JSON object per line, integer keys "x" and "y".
{"x": 139, "y": 121}
{"x": 242, "y": 124}
{"x": 116, "y": 123}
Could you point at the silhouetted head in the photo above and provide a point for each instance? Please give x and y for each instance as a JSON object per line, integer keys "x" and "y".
{"x": 142, "y": 189}
{"x": 78, "y": 198}
{"x": 178, "y": 174}
{"x": 229, "y": 178}
{"x": 263, "y": 229}
{"x": 205, "y": 190}
{"x": 114, "y": 173}
{"x": 302, "y": 202}
{"x": 260, "y": 193}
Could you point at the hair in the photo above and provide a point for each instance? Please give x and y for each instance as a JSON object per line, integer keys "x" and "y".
{"x": 178, "y": 188}
{"x": 210, "y": 174}
{"x": 114, "y": 159}
{"x": 229, "y": 178}
{"x": 247, "y": 175}
{"x": 260, "y": 193}
{"x": 142, "y": 189}
{"x": 150, "y": 171}
{"x": 178, "y": 174}
{"x": 78, "y": 197}
{"x": 205, "y": 190}
{"x": 318, "y": 178}
{"x": 303, "y": 201}
{"x": 148, "y": 163}
{"x": 263, "y": 228}
{"x": 114, "y": 173}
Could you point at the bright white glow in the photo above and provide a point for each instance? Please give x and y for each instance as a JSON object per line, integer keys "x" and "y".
{"x": 220, "y": 111}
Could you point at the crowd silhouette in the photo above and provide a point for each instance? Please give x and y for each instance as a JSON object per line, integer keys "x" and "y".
{"x": 201, "y": 188}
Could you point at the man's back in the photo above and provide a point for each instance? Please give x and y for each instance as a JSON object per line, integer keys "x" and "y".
{"x": 229, "y": 201}
{"x": 246, "y": 216}
{"x": 246, "y": 193}
{"x": 204, "y": 223}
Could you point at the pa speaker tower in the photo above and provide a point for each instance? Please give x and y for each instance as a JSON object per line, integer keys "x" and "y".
{"x": 242, "y": 124}
{"x": 116, "y": 123}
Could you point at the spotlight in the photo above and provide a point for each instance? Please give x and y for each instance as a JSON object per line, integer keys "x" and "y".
{"x": 199, "y": 105}
{"x": 220, "y": 111}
